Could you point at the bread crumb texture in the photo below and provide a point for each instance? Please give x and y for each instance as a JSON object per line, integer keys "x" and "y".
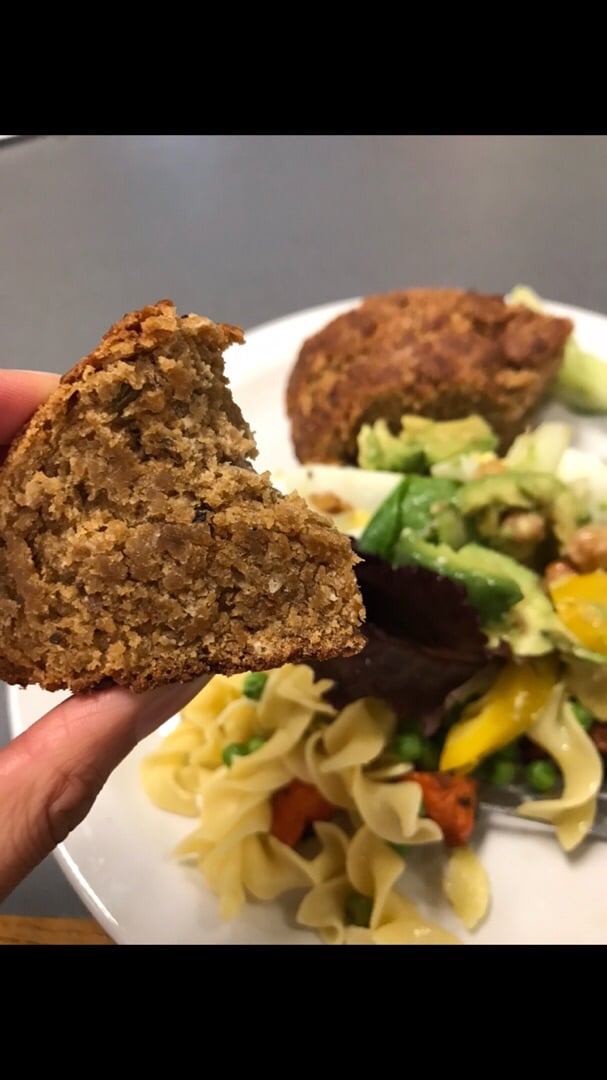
{"x": 440, "y": 353}
{"x": 137, "y": 542}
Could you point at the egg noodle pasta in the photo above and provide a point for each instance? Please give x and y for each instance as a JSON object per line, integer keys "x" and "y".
{"x": 233, "y": 755}
{"x": 333, "y": 760}
{"x": 466, "y": 886}
{"x": 299, "y": 737}
{"x": 557, "y": 731}
{"x": 370, "y": 868}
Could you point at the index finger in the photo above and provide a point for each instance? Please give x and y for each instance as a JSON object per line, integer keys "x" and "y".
{"x": 21, "y": 392}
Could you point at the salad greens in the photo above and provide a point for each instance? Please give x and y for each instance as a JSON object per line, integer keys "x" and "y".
{"x": 491, "y": 534}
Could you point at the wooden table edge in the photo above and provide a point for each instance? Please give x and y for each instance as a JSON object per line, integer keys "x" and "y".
{"x": 21, "y": 930}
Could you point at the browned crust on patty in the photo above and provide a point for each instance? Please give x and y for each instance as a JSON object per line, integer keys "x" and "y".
{"x": 138, "y": 544}
{"x": 440, "y": 353}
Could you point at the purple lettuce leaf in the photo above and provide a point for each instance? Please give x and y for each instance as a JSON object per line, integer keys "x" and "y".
{"x": 423, "y": 607}
{"x": 423, "y": 640}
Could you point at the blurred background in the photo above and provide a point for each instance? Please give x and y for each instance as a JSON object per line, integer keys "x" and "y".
{"x": 248, "y": 228}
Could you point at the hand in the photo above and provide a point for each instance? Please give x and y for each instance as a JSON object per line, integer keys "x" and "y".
{"x": 51, "y": 775}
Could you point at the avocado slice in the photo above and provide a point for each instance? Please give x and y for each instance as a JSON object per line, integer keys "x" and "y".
{"x": 442, "y": 439}
{"x": 488, "y": 501}
{"x": 494, "y": 562}
{"x": 450, "y": 527}
{"x": 421, "y": 443}
{"x": 489, "y": 590}
{"x": 379, "y": 449}
{"x": 520, "y": 490}
{"x": 532, "y": 626}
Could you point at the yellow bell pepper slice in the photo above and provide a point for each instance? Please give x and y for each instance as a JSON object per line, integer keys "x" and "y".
{"x": 507, "y": 709}
{"x": 581, "y": 604}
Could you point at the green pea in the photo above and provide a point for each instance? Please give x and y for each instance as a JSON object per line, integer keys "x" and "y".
{"x": 585, "y": 717}
{"x": 407, "y": 747}
{"x": 430, "y": 756}
{"x": 357, "y": 909}
{"x": 541, "y": 775}
{"x": 510, "y": 752}
{"x": 241, "y": 749}
{"x": 232, "y": 751}
{"x": 400, "y": 849}
{"x": 253, "y": 685}
{"x": 502, "y": 772}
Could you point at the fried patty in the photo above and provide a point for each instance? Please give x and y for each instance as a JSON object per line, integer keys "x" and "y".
{"x": 138, "y": 544}
{"x": 440, "y": 353}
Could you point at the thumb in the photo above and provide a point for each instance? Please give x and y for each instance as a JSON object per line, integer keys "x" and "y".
{"x": 51, "y": 775}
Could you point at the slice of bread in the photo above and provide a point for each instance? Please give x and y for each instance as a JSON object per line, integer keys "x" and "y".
{"x": 138, "y": 544}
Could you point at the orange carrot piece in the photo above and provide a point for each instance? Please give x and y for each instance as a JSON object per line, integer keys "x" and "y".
{"x": 295, "y": 807}
{"x": 450, "y": 801}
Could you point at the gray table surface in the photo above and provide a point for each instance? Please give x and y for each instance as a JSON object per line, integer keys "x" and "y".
{"x": 248, "y": 228}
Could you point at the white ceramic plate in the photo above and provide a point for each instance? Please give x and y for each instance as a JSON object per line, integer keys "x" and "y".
{"x": 119, "y": 860}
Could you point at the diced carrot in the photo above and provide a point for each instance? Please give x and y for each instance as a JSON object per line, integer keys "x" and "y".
{"x": 295, "y": 807}
{"x": 450, "y": 801}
